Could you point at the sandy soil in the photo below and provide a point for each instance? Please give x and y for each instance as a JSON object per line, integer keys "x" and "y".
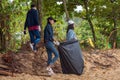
{"x": 99, "y": 65}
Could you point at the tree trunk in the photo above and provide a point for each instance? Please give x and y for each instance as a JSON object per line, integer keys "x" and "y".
{"x": 4, "y": 31}
{"x": 34, "y": 2}
{"x": 2, "y": 37}
{"x": 89, "y": 20}
{"x": 114, "y": 37}
{"x": 66, "y": 11}
{"x": 39, "y": 6}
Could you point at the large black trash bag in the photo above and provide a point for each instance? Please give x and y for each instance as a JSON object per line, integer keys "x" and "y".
{"x": 71, "y": 57}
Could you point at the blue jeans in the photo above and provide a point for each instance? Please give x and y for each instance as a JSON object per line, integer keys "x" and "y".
{"x": 34, "y": 37}
{"x": 51, "y": 49}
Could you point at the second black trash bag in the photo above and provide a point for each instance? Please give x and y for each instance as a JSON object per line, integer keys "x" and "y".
{"x": 71, "y": 57}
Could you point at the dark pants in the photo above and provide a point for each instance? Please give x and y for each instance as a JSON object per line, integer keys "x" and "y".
{"x": 34, "y": 37}
{"x": 51, "y": 49}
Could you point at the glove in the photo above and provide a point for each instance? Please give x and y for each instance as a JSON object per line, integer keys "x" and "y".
{"x": 39, "y": 28}
{"x": 24, "y": 31}
{"x": 56, "y": 43}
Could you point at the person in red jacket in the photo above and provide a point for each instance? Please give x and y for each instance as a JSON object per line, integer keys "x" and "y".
{"x": 32, "y": 23}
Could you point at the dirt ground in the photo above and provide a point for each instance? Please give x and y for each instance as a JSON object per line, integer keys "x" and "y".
{"x": 99, "y": 65}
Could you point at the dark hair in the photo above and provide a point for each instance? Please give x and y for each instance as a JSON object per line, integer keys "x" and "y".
{"x": 71, "y": 26}
{"x": 33, "y": 5}
{"x": 50, "y": 18}
{"x": 48, "y": 21}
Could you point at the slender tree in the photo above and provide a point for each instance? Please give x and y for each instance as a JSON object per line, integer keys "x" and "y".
{"x": 66, "y": 11}
{"x": 39, "y": 6}
{"x": 89, "y": 19}
{"x": 3, "y": 28}
{"x": 114, "y": 20}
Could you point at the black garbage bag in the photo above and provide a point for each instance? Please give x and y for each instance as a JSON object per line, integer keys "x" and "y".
{"x": 71, "y": 57}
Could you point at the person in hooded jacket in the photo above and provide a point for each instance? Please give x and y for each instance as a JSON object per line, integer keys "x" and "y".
{"x": 32, "y": 23}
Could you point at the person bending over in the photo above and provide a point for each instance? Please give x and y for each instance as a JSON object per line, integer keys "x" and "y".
{"x": 70, "y": 31}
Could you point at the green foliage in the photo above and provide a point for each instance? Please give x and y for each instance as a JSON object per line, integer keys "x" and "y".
{"x": 101, "y": 12}
{"x": 60, "y": 30}
{"x": 13, "y": 14}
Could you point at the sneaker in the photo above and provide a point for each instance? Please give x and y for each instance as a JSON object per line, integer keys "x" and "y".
{"x": 35, "y": 51}
{"x": 50, "y": 71}
{"x": 31, "y": 46}
{"x": 56, "y": 43}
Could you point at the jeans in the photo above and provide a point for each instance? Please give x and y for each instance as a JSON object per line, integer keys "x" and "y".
{"x": 51, "y": 49}
{"x": 34, "y": 37}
